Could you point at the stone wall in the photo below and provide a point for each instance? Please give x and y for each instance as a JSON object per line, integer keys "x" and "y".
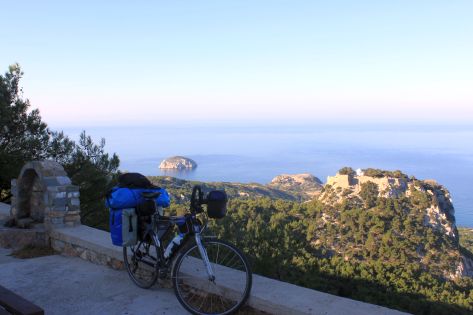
{"x": 267, "y": 295}
{"x": 76, "y": 250}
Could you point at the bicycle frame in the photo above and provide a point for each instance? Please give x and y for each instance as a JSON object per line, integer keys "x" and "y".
{"x": 205, "y": 258}
{"x": 196, "y": 230}
{"x": 177, "y": 256}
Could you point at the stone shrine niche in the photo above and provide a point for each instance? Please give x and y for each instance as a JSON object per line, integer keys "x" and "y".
{"x": 43, "y": 193}
{"x": 30, "y": 197}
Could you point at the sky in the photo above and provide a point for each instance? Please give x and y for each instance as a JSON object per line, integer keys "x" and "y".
{"x": 162, "y": 62}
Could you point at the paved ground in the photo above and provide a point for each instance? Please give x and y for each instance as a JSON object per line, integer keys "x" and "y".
{"x": 4, "y": 211}
{"x": 4, "y": 208}
{"x": 65, "y": 285}
{"x": 5, "y": 257}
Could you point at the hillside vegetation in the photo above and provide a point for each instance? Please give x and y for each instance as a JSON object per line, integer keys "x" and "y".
{"x": 466, "y": 238}
{"x": 395, "y": 246}
{"x": 180, "y": 189}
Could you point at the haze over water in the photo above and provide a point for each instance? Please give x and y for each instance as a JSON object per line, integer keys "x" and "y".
{"x": 249, "y": 153}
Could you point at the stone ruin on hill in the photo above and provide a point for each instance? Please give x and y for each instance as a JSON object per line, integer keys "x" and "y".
{"x": 43, "y": 193}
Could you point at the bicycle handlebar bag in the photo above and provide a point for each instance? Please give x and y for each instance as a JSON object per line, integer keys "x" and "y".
{"x": 124, "y": 227}
{"x": 216, "y": 204}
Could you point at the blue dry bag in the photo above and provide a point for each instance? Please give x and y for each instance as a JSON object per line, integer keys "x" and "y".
{"x": 120, "y": 197}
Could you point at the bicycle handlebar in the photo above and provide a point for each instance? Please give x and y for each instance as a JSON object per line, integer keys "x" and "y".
{"x": 197, "y": 199}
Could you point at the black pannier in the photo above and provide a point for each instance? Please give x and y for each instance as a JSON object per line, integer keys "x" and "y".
{"x": 216, "y": 204}
{"x": 134, "y": 180}
{"x": 146, "y": 207}
{"x": 143, "y": 222}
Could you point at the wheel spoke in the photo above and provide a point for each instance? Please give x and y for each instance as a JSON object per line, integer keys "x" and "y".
{"x": 199, "y": 295}
{"x": 142, "y": 265}
{"x": 218, "y": 250}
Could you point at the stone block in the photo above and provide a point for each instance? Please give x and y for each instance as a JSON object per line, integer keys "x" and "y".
{"x": 13, "y": 211}
{"x": 62, "y": 188}
{"x": 60, "y": 195}
{"x": 70, "y": 224}
{"x": 56, "y": 214}
{"x": 100, "y": 259}
{"x": 69, "y": 250}
{"x": 14, "y": 187}
{"x": 50, "y": 169}
{"x": 72, "y": 219}
{"x": 58, "y": 208}
{"x": 72, "y": 208}
{"x": 56, "y": 220}
{"x": 58, "y": 245}
{"x": 63, "y": 180}
{"x": 51, "y": 197}
{"x": 52, "y": 189}
{"x": 60, "y": 202}
{"x": 85, "y": 255}
{"x": 116, "y": 264}
{"x": 50, "y": 181}
{"x": 24, "y": 223}
{"x": 74, "y": 202}
{"x": 73, "y": 194}
{"x": 72, "y": 188}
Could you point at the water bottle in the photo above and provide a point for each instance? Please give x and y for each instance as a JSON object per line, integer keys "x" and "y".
{"x": 176, "y": 241}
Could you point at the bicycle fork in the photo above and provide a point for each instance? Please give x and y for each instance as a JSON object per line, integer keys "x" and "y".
{"x": 205, "y": 257}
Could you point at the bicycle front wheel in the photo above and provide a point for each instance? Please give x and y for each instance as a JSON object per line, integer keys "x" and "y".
{"x": 226, "y": 293}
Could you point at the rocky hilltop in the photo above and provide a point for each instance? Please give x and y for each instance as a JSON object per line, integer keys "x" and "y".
{"x": 423, "y": 204}
{"x": 178, "y": 163}
{"x": 305, "y": 184}
{"x": 439, "y": 214}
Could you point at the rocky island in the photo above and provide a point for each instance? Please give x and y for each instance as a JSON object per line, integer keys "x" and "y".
{"x": 178, "y": 163}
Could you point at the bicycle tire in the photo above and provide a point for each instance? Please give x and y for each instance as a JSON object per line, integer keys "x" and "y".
{"x": 227, "y": 297}
{"x": 141, "y": 265}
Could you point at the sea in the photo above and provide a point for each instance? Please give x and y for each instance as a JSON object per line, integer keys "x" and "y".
{"x": 255, "y": 153}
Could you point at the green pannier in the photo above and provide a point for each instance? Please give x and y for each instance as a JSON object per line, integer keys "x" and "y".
{"x": 124, "y": 227}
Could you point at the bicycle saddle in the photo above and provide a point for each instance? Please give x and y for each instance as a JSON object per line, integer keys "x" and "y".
{"x": 150, "y": 195}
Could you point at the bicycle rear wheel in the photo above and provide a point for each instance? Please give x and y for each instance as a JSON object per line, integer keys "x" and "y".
{"x": 226, "y": 293}
{"x": 141, "y": 262}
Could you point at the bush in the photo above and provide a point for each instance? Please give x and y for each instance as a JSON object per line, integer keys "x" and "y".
{"x": 369, "y": 194}
{"x": 346, "y": 171}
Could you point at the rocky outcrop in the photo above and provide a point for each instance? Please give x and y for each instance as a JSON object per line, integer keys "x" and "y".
{"x": 439, "y": 214}
{"x": 387, "y": 186}
{"x": 178, "y": 163}
{"x": 307, "y": 184}
{"x": 465, "y": 267}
